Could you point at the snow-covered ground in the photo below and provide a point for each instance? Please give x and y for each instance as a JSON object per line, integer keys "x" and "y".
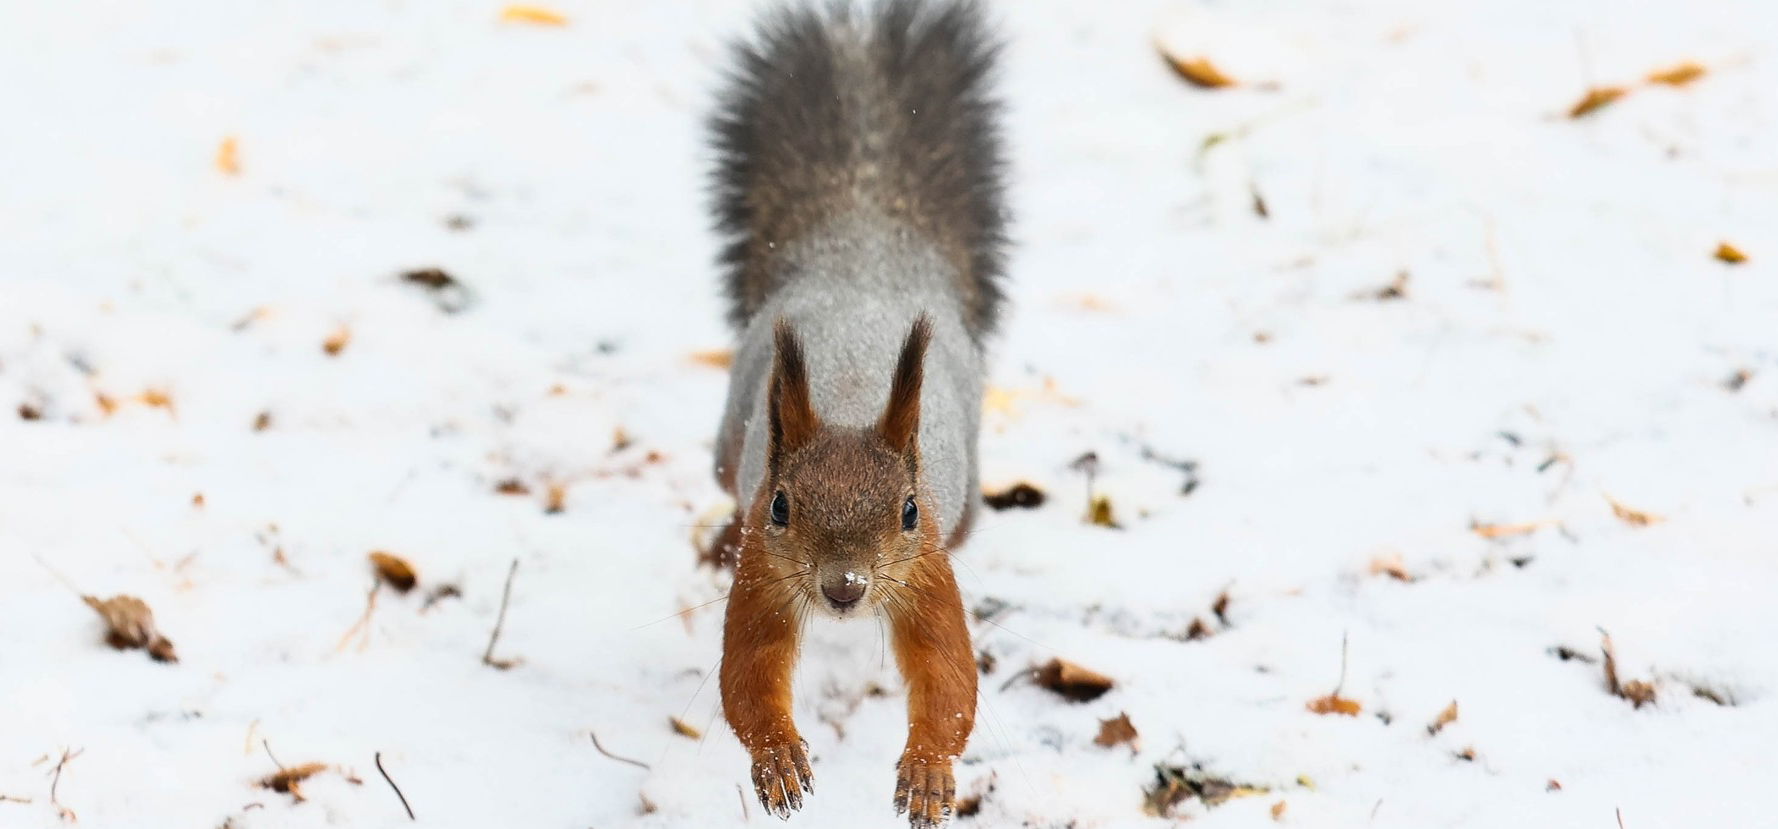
{"x": 1563, "y": 340}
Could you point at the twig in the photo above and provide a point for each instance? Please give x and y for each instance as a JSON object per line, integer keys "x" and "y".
{"x": 363, "y": 623}
{"x": 268, "y": 752}
{"x": 745, "y": 817}
{"x": 1620, "y": 817}
{"x": 1342, "y": 684}
{"x": 499, "y": 622}
{"x": 391, "y": 781}
{"x": 637, "y": 763}
{"x": 63, "y": 812}
{"x": 6, "y": 798}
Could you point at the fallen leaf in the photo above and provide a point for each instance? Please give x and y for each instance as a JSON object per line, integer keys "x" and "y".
{"x": 1197, "y": 630}
{"x": 1467, "y": 754}
{"x": 130, "y": 624}
{"x": 262, "y": 421}
{"x": 197, "y": 499}
{"x": 106, "y": 404}
{"x": 228, "y": 156}
{"x": 1099, "y": 513}
{"x": 1736, "y": 381}
{"x": 289, "y": 780}
{"x": 1174, "y": 785}
{"x": 1335, "y": 704}
{"x": 448, "y": 294}
{"x": 337, "y": 341}
{"x": 1678, "y": 75}
{"x": 1117, "y": 731}
{"x": 29, "y": 412}
{"x": 556, "y": 499}
{"x": 1505, "y": 530}
{"x": 1445, "y": 717}
{"x": 394, "y": 571}
{"x": 1638, "y": 692}
{"x": 721, "y": 358}
{"x": 1072, "y": 681}
{"x": 1391, "y": 566}
{"x": 1633, "y": 517}
{"x": 1220, "y": 607}
{"x": 534, "y": 15}
{"x": 512, "y": 486}
{"x": 684, "y": 729}
{"x": 157, "y": 399}
{"x": 1596, "y": 99}
{"x": 1553, "y": 786}
{"x": 1199, "y": 71}
{"x": 1278, "y": 810}
{"x": 1730, "y": 254}
{"x": 1020, "y": 495}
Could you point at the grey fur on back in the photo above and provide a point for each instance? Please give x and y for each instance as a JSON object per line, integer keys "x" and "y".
{"x": 859, "y": 182}
{"x": 884, "y": 109}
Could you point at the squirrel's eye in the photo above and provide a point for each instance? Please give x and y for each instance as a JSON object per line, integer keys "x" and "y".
{"x": 910, "y": 515}
{"x": 780, "y": 509}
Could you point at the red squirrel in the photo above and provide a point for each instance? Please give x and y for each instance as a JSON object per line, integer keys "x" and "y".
{"x": 858, "y": 184}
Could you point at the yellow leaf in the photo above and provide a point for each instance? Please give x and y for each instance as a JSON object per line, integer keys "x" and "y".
{"x": 228, "y": 157}
{"x": 1199, "y": 71}
{"x": 1730, "y": 254}
{"x": 1633, "y": 517}
{"x": 1335, "y": 704}
{"x": 534, "y": 15}
{"x": 1679, "y": 75}
{"x": 1596, "y": 99}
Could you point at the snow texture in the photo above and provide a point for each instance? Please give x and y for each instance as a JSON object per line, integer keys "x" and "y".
{"x": 1561, "y": 338}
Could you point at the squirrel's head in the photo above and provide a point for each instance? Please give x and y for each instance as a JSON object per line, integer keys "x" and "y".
{"x": 842, "y": 512}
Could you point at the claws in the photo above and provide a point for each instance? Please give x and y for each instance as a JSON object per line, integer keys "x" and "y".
{"x": 780, "y": 777}
{"x": 925, "y": 791}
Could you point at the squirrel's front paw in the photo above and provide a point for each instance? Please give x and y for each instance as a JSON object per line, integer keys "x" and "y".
{"x": 924, "y": 790}
{"x": 781, "y": 775}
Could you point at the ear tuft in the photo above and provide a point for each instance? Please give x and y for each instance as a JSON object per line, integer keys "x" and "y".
{"x": 792, "y": 415}
{"x": 901, "y": 416}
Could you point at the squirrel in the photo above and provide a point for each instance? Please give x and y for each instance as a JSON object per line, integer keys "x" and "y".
{"x": 858, "y": 186}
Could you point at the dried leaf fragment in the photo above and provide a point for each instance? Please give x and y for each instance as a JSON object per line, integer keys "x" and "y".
{"x": 1072, "y": 681}
{"x": 228, "y": 156}
{"x": 1633, "y": 517}
{"x": 1335, "y": 704}
{"x": 1174, "y": 785}
{"x": 1596, "y": 99}
{"x": 1278, "y": 810}
{"x": 394, "y": 571}
{"x": 1099, "y": 513}
{"x": 534, "y": 15}
{"x": 130, "y": 624}
{"x": 1677, "y": 75}
{"x": 556, "y": 499}
{"x": 512, "y": 486}
{"x": 337, "y": 341}
{"x": 684, "y": 729}
{"x": 1117, "y": 731}
{"x": 1018, "y": 496}
{"x": 1730, "y": 254}
{"x": 721, "y": 358}
{"x": 1492, "y": 531}
{"x": 1199, "y": 71}
{"x": 1445, "y": 717}
{"x": 289, "y": 780}
{"x": 1638, "y": 692}
{"x": 1197, "y": 630}
{"x": 1391, "y": 566}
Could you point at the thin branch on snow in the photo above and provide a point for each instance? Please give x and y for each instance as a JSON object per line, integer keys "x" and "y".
{"x": 391, "y": 782}
{"x": 500, "y": 622}
{"x": 637, "y": 763}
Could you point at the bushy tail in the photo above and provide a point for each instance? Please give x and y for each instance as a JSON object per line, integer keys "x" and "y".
{"x": 889, "y": 110}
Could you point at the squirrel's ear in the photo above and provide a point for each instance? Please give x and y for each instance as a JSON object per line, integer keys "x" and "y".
{"x": 901, "y": 417}
{"x": 793, "y": 420}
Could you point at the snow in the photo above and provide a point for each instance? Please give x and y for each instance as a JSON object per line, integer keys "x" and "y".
{"x": 1561, "y": 302}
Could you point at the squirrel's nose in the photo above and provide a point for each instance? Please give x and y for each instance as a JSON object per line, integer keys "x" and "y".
{"x": 846, "y": 592}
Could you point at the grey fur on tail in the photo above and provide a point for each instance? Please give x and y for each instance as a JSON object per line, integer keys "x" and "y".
{"x": 885, "y": 109}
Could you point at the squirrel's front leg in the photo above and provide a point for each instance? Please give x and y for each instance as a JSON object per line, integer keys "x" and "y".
{"x": 932, "y": 648}
{"x": 759, "y": 647}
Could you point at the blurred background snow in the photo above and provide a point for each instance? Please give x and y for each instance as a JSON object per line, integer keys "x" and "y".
{"x": 1379, "y": 343}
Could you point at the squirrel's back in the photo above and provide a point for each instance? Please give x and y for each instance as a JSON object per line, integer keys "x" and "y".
{"x": 883, "y": 112}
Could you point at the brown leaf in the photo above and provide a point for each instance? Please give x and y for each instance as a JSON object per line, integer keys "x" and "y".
{"x": 512, "y": 486}
{"x": 1117, "y": 731}
{"x": 1638, "y": 692}
{"x": 1278, "y": 810}
{"x": 262, "y": 421}
{"x": 228, "y": 156}
{"x": 1220, "y": 607}
{"x": 1199, "y": 71}
{"x": 1072, "y": 681}
{"x": 1633, "y": 517}
{"x": 1335, "y": 704}
{"x": 1197, "y": 630}
{"x": 1445, "y": 717}
{"x": 1553, "y": 786}
{"x": 721, "y": 358}
{"x": 1099, "y": 513}
{"x": 684, "y": 729}
{"x": 156, "y": 398}
{"x": 1730, "y": 254}
{"x": 1467, "y": 754}
{"x": 556, "y": 499}
{"x": 29, "y": 412}
{"x": 1391, "y": 566}
{"x": 1596, "y": 99}
{"x": 1176, "y": 784}
{"x": 337, "y": 341}
{"x": 1677, "y": 75}
{"x": 130, "y": 624}
{"x": 534, "y": 15}
{"x": 394, "y": 571}
{"x": 289, "y": 780}
{"x": 1020, "y": 495}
